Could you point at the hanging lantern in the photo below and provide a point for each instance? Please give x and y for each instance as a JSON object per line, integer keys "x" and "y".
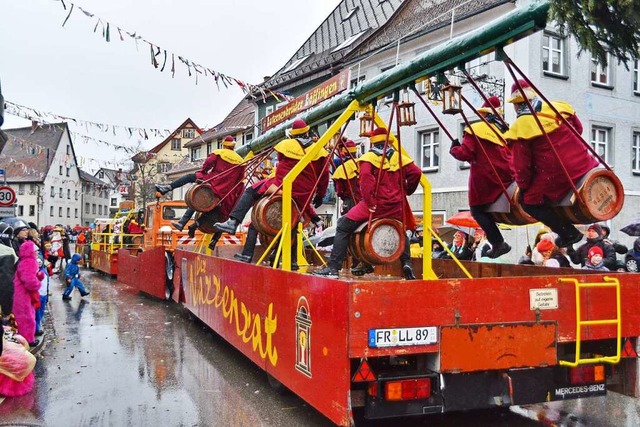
{"x": 406, "y": 110}
{"x": 451, "y": 98}
{"x": 366, "y": 123}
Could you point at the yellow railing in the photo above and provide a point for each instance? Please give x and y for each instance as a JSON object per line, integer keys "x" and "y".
{"x": 112, "y": 242}
{"x": 609, "y": 282}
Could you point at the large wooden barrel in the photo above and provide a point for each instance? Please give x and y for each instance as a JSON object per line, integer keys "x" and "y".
{"x": 602, "y": 197}
{"x": 266, "y": 215}
{"x": 137, "y": 240}
{"x": 510, "y": 212}
{"x": 382, "y": 243}
{"x": 201, "y": 197}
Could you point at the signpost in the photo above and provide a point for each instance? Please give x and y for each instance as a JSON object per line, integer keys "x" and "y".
{"x": 7, "y": 196}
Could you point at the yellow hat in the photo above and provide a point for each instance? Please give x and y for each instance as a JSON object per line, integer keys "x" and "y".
{"x": 229, "y": 142}
{"x": 299, "y": 127}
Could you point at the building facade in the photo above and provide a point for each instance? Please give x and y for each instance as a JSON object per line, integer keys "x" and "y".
{"x": 94, "y": 198}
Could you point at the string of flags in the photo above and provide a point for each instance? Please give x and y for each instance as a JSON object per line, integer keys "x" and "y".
{"x": 162, "y": 59}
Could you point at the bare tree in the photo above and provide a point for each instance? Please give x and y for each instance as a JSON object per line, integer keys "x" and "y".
{"x": 601, "y": 26}
{"x": 146, "y": 174}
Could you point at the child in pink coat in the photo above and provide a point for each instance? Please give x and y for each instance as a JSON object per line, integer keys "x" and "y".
{"x": 26, "y": 282}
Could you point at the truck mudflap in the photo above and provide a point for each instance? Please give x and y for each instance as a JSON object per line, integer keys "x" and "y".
{"x": 477, "y": 390}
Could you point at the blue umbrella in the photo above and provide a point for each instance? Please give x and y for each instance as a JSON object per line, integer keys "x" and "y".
{"x": 632, "y": 229}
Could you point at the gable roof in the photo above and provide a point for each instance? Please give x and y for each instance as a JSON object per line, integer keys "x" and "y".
{"x": 409, "y": 22}
{"x": 86, "y": 176}
{"x": 349, "y": 19}
{"x": 29, "y": 152}
{"x": 241, "y": 118}
{"x": 173, "y": 134}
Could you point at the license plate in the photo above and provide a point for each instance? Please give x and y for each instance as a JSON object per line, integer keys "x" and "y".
{"x": 397, "y": 337}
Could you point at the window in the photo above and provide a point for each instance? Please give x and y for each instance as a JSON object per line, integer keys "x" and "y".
{"x": 93, "y": 208}
{"x": 355, "y": 82}
{"x": 20, "y": 188}
{"x": 430, "y": 148}
{"x": 175, "y": 144}
{"x": 247, "y": 138}
{"x": 195, "y": 154}
{"x": 553, "y": 57}
{"x": 99, "y": 209}
{"x": 76, "y": 212}
{"x": 68, "y": 150}
{"x": 60, "y": 170}
{"x": 51, "y": 211}
{"x": 636, "y": 77}
{"x": 479, "y": 67}
{"x": 60, "y": 211}
{"x": 32, "y": 210}
{"x": 600, "y": 137}
{"x": 635, "y": 153}
{"x": 76, "y": 195}
{"x": 53, "y": 191}
{"x": 209, "y": 148}
{"x": 188, "y": 133}
{"x": 60, "y": 192}
{"x": 105, "y": 210}
{"x": 114, "y": 201}
{"x": 33, "y": 189}
{"x": 87, "y": 208}
{"x": 68, "y": 212}
{"x": 164, "y": 167}
{"x": 348, "y": 42}
{"x": 601, "y": 76}
{"x": 268, "y": 109}
{"x": 295, "y": 64}
{"x": 68, "y": 170}
{"x": 20, "y": 210}
{"x": 68, "y": 193}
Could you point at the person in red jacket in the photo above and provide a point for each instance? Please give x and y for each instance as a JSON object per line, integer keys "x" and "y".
{"x": 225, "y": 186}
{"x": 539, "y": 170}
{"x": 345, "y": 177}
{"x": 491, "y": 171}
{"x": 289, "y": 152}
{"x": 386, "y": 200}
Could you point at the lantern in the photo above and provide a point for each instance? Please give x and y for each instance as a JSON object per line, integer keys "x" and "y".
{"x": 451, "y": 98}
{"x": 366, "y": 123}
{"x": 406, "y": 110}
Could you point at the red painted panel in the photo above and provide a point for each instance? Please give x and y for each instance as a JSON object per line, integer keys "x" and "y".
{"x": 292, "y": 325}
{"x": 153, "y": 273}
{"x": 104, "y": 261}
{"x": 129, "y": 265}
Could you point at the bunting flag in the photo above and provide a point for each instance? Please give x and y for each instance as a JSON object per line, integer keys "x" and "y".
{"x": 159, "y": 56}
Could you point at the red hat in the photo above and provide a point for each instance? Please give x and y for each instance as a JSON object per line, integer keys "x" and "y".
{"x": 229, "y": 141}
{"x": 378, "y": 135}
{"x": 299, "y": 127}
{"x": 516, "y": 96}
{"x": 544, "y": 245}
{"x": 350, "y": 146}
{"x": 492, "y": 101}
{"x": 595, "y": 250}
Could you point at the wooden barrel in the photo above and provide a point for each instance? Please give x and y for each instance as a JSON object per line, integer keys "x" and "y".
{"x": 266, "y": 215}
{"x": 513, "y": 214}
{"x": 137, "y": 240}
{"x": 382, "y": 243}
{"x": 602, "y": 197}
{"x": 201, "y": 197}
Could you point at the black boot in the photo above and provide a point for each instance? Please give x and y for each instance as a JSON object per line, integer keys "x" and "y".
{"x": 407, "y": 271}
{"x": 214, "y": 241}
{"x": 192, "y": 229}
{"x": 229, "y": 226}
{"x": 164, "y": 188}
{"x": 249, "y": 245}
{"x": 362, "y": 269}
{"x": 184, "y": 220}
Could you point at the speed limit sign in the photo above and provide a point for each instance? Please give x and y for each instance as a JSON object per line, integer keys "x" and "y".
{"x": 7, "y": 196}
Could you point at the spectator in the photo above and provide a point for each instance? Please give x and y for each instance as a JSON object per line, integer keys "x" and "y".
{"x": 72, "y": 277}
{"x": 545, "y": 247}
{"x": 43, "y": 294}
{"x": 459, "y": 247}
{"x": 617, "y": 246}
{"x": 25, "y": 282}
{"x": 480, "y": 246}
{"x": 20, "y": 234}
{"x": 595, "y": 260}
{"x": 594, "y": 238}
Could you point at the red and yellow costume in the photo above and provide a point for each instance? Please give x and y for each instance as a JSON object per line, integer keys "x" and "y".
{"x": 224, "y": 184}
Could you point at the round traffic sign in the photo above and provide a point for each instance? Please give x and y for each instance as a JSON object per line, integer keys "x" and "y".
{"x": 7, "y": 196}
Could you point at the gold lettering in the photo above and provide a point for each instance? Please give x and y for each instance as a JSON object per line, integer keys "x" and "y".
{"x": 207, "y": 290}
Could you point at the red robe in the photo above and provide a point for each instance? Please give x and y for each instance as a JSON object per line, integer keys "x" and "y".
{"x": 225, "y": 185}
{"x": 538, "y": 170}
{"x": 345, "y": 179}
{"x": 290, "y": 151}
{"x": 389, "y": 200}
{"x": 484, "y": 185}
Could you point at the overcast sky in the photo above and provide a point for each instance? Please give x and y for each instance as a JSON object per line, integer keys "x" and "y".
{"x": 73, "y": 72}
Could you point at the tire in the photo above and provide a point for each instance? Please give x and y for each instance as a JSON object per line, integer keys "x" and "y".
{"x": 169, "y": 265}
{"x": 632, "y": 265}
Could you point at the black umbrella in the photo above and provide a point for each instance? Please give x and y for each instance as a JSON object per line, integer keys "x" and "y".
{"x": 632, "y": 229}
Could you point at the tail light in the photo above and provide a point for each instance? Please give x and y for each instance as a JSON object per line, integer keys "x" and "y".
{"x": 407, "y": 389}
{"x": 586, "y": 374}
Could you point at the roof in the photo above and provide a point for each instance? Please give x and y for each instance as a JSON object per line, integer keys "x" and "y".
{"x": 184, "y": 165}
{"x": 29, "y": 152}
{"x": 85, "y": 176}
{"x": 409, "y": 21}
{"x": 173, "y": 134}
{"x": 241, "y": 118}
{"x": 349, "y": 19}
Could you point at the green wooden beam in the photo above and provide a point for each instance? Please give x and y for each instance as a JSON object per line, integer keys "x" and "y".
{"x": 513, "y": 26}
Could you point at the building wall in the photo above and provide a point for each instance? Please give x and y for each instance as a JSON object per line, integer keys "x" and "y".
{"x": 95, "y": 203}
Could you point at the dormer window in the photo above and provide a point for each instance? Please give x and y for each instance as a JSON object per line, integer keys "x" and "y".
{"x": 295, "y": 64}
{"x": 350, "y": 13}
{"x": 348, "y": 42}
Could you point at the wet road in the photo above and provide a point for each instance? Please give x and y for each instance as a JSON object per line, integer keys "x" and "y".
{"x": 116, "y": 358}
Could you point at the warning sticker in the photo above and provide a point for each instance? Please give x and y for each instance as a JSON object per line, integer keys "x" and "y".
{"x": 543, "y": 299}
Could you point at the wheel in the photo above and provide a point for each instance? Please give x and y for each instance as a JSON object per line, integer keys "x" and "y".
{"x": 168, "y": 275}
{"x": 632, "y": 265}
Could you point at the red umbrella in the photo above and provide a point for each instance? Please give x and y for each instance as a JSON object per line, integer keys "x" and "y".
{"x": 463, "y": 219}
